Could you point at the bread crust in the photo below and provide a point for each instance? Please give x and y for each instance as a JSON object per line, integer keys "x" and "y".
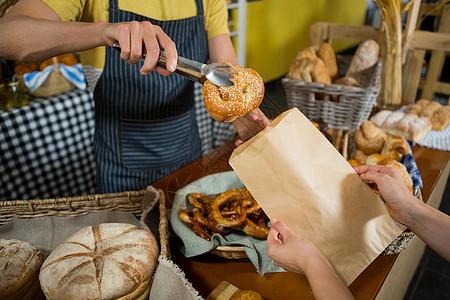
{"x": 227, "y": 103}
{"x": 20, "y": 262}
{"x": 369, "y": 138}
{"x": 108, "y": 261}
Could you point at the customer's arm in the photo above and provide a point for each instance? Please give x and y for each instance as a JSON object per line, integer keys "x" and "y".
{"x": 32, "y": 31}
{"x": 431, "y": 225}
{"x": 296, "y": 254}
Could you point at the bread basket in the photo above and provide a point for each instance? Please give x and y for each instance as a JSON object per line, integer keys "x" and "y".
{"x": 406, "y": 237}
{"x": 340, "y": 106}
{"x": 131, "y": 202}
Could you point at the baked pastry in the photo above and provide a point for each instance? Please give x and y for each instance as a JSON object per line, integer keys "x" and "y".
{"x": 326, "y": 54}
{"x": 429, "y": 110}
{"x": 360, "y": 157}
{"x": 374, "y": 159}
{"x": 401, "y": 170}
{"x": 19, "y": 264}
{"x": 22, "y": 68}
{"x": 246, "y": 295}
{"x": 353, "y": 163}
{"x": 441, "y": 118}
{"x": 301, "y": 69}
{"x": 226, "y": 103}
{"x": 365, "y": 57}
{"x": 395, "y": 148}
{"x": 108, "y": 261}
{"x": 348, "y": 81}
{"x": 369, "y": 138}
{"x": 410, "y": 126}
{"x": 66, "y": 59}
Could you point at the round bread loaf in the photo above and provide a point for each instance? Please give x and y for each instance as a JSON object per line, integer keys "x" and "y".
{"x": 19, "y": 265}
{"x": 227, "y": 103}
{"x": 109, "y": 261}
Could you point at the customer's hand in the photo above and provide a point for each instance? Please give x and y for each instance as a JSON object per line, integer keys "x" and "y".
{"x": 249, "y": 125}
{"x": 393, "y": 190}
{"x": 136, "y": 37}
{"x": 289, "y": 250}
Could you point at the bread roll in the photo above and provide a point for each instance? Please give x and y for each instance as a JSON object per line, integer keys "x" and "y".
{"x": 301, "y": 69}
{"x": 326, "y": 54}
{"x": 395, "y": 148}
{"x": 401, "y": 169}
{"x": 365, "y": 57}
{"x": 320, "y": 72}
{"x": 429, "y": 110}
{"x": 348, "y": 81}
{"x": 441, "y": 118}
{"x": 379, "y": 118}
{"x": 374, "y": 159}
{"x": 360, "y": 157}
{"x": 369, "y": 138}
{"x": 19, "y": 265}
{"x": 109, "y": 261}
{"x": 353, "y": 163}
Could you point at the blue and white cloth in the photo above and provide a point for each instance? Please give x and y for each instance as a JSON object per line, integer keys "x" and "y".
{"x": 73, "y": 74}
{"x": 439, "y": 140}
{"x": 411, "y": 167}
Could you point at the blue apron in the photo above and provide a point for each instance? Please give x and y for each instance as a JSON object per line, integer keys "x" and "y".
{"x": 145, "y": 125}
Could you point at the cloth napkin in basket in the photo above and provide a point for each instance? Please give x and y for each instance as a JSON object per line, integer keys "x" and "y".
{"x": 73, "y": 74}
{"x": 192, "y": 245}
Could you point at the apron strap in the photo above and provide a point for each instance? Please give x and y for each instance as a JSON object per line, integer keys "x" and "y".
{"x": 113, "y": 4}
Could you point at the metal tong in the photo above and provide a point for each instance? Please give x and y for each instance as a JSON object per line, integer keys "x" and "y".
{"x": 218, "y": 73}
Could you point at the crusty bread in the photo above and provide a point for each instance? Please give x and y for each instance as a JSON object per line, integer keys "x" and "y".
{"x": 326, "y": 54}
{"x": 374, "y": 159}
{"x": 395, "y": 147}
{"x": 109, "y": 261}
{"x": 19, "y": 265}
{"x": 365, "y": 57}
{"x": 401, "y": 169}
{"x": 369, "y": 138}
{"x": 410, "y": 126}
{"x": 441, "y": 118}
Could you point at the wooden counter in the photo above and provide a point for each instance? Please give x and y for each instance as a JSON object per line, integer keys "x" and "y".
{"x": 205, "y": 272}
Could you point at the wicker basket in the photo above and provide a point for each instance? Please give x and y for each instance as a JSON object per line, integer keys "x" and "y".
{"x": 341, "y": 107}
{"x": 406, "y": 237}
{"x": 230, "y": 252}
{"x": 75, "y": 206}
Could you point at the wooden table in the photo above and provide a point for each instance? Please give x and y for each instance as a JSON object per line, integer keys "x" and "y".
{"x": 205, "y": 272}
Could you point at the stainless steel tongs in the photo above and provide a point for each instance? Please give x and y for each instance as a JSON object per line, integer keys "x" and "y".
{"x": 218, "y": 73}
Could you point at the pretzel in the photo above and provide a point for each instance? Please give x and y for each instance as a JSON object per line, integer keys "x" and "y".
{"x": 199, "y": 201}
{"x": 220, "y": 201}
{"x": 209, "y": 224}
{"x": 255, "y": 230}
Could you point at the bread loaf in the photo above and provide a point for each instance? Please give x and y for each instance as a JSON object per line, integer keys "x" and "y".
{"x": 365, "y": 57}
{"x": 19, "y": 265}
{"x": 441, "y": 118}
{"x": 410, "y": 126}
{"x": 109, "y": 261}
{"x": 326, "y": 54}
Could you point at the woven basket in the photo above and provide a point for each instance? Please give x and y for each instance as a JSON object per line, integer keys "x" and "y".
{"x": 317, "y": 101}
{"x": 406, "y": 237}
{"x": 230, "y": 252}
{"x": 76, "y": 206}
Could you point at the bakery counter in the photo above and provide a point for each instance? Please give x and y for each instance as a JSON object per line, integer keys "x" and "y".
{"x": 387, "y": 277}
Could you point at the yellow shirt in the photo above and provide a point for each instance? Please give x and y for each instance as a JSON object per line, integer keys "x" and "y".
{"x": 215, "y": 12}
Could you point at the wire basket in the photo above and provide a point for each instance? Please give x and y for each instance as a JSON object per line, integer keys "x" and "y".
{"x": 340, "y": 106}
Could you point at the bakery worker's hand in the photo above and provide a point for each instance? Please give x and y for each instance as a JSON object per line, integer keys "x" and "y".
{"x": 136, "y": 37}
{"x": 249, "y": 125}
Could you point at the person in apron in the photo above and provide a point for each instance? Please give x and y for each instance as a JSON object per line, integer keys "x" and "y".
{"x": 145, "y": 125}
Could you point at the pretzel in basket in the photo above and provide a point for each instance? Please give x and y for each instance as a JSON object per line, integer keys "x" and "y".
{"x": 234, "y": 209}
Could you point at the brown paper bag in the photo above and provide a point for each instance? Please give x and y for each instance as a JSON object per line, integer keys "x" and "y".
{"x": 298, "y": 177}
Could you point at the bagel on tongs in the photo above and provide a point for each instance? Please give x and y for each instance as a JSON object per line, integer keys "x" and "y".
{"x": 226, "y": 103}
